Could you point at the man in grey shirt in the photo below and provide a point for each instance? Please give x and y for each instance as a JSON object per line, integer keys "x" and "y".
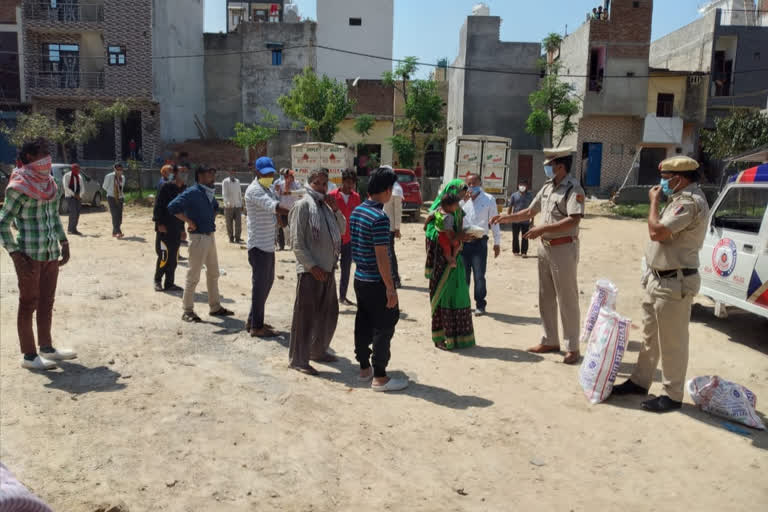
{"x": 519, "y": 201}
{"x": 316, "y": 229}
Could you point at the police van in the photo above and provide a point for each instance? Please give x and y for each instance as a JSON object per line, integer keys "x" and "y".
{"x": 734, "y": 257}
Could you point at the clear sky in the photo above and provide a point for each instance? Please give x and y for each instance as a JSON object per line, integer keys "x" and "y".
{"x": 429, "y": 29}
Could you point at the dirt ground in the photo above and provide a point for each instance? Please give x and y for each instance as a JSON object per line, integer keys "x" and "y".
{"x": 157, "y": 414}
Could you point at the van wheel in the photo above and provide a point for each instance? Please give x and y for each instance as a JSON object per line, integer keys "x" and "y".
{"x": 96, "y": 202}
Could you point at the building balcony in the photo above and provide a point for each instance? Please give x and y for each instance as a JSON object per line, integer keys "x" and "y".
{"x": 663, "y": 130}
{"x": 58, "y": 14}
{"x": 73, "y": 84}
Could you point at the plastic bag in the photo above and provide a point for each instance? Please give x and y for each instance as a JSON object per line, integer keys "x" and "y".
{"x": 604, "y": 297}
{"x": 603, "y": 356}
{"x": 726, "y": 399}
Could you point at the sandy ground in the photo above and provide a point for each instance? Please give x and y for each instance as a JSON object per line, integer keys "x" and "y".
{"x": 157, "y": 414}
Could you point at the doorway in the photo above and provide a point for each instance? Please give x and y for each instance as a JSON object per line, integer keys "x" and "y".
{"x": 525, "y": 170}
{"x": 102, "y": 146}
{"x": 592, "y": 154}
{"x": 368, "y": 158}
{"x": 650, "y": 158}
{"x": 131, "y": 139}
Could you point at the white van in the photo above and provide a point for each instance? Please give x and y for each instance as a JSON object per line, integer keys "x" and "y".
{"x": 734, "y": 258}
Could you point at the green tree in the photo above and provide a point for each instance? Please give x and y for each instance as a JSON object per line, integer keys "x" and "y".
{"x": 319, "y": 105}
{"x": 405, "y": 149}
{"x": 364, "y": 124}
{"x": 742, "y": 131}
{"x": 85, "y": 125}
{"x": 251, "y": 136}
{"x": 554, "y": 105}
{"x": 423, "y": 112}
{"x": 551, "y": 44}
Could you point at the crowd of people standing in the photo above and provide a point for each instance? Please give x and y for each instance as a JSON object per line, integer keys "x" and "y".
{"x": 328, "y": 229}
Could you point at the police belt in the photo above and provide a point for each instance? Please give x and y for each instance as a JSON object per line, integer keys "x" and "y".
{"x": 666, "y": 274}
{"x": 559, "y": 241}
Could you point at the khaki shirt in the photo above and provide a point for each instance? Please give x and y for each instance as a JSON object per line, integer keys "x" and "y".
{"x": 551, "y": 201}
{"x": 686, "y": 215}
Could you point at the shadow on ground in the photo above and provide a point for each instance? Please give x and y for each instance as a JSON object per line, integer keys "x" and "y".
{"x": 741, "y": 327}
{"x": 78, "y": 379}
{"x": 346, "y": 373}
{"x": 500, "y": 353}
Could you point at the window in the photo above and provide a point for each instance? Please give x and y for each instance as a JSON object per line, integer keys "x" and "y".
{"x": 116, "y": 55}
{"x": 406, "y": 177}
{"x": 665, "y": 105}
{"x": 742, "y": 209}
{"x": 277, "y": 57}
{"x": 54, "y": 52}
{"x": 636, "y": 5}
{"x": 355, "y": 22}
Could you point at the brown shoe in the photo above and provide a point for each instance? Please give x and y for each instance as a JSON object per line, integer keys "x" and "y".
{"x": 544, "y": 349}
{"x": 571, "y": 358}
{"x": 263, "y": 333}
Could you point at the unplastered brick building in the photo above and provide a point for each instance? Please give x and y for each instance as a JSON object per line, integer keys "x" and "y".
{"x": 80, "y": 51}
{"x": 606, "y": 60}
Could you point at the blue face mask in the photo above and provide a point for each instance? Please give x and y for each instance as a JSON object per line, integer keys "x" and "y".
{"x": 665, "y": 187}
{"x": 549, "y": 171}
{"x": 475, "y": 190}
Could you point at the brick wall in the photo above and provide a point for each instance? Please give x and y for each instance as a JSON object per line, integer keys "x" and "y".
{"x": 372, "y": 97}
{"x": 620, "y": 137}
{"x": 628, "y": 31}
{"x": 8, "y": 11}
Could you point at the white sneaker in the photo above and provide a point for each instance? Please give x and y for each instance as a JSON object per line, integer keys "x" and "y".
{"x": 38, "y": 363}
{"x": 392, "y": 385}
{"x": 60, "y": 354}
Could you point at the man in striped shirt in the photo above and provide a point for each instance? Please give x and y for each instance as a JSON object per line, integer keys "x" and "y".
{"x": 377, "y": 311}
{"x": 262, "y": 206}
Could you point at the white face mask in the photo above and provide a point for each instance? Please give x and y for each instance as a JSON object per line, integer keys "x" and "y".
{"x": 549, "y": 171}
{"x": 522, "y": 188}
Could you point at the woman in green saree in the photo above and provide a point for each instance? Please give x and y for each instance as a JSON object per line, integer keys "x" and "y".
{"x": 448, "y": 290}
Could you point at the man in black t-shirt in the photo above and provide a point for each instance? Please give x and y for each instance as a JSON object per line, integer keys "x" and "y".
{"x": 169, "y": 231}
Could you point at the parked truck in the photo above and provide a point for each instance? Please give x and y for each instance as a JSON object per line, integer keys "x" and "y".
{"x": 485, "y": 155}
{"x": 318, "y": 155}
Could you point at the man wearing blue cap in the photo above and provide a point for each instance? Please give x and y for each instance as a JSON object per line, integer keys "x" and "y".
{"x": 262, "y": 206}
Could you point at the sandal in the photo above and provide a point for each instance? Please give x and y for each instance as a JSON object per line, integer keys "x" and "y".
{"x": 191, "y": 317}
{"x": 326, "y": 358}
{"x": 307, "y": 370}
{"x": 263, "y": 333}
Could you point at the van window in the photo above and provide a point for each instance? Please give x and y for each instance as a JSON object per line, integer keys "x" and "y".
{"x": 406, "y": 178}
{"x": 742, "y": 209}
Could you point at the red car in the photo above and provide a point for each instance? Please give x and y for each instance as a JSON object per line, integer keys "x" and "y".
{"x": 411, "y": 190}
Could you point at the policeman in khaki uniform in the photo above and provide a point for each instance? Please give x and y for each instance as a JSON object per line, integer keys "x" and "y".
{"x": 671, "y": 282}
{"x": 561, "y": 202}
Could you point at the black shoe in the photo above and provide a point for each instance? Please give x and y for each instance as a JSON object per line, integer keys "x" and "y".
{"x": 223, "y": 312}
{"x": 231, "y": 240}
{"x": 661, "y": 404}
{"x": 158, "y": 287}
{"x": 173, "y": 288}
{"x": 191, "y": 317}
{"x": 346, "y": 302}
{"x": 629, "y": 388}
{"x": 239, "y": 240}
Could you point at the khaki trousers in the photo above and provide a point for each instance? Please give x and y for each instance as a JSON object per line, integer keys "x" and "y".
{"x": 558, "y": 283}
{"x": 202, "y": 251}
{"x": 666, "y": 315}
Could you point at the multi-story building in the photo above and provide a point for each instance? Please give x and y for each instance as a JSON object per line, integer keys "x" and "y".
{"x": 77, "y": 52}
{"x": 363, "y": 26}
{"x": 373, "y": 98}
{"x": 12, "y": 84}
{"x": 243, "y": 11}
{"x": 246, "y": 71}
{"x": 489, "y": 85}
{"x": 730, "y": 50}
{"x": 606, "y": 61}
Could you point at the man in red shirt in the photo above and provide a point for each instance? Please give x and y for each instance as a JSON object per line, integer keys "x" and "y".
{"x": 347, "y": 200}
